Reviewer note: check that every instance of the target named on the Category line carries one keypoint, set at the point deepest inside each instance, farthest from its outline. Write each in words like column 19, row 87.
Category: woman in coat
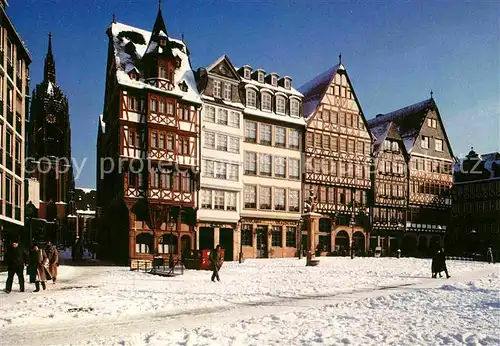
column 53, row 257
column 36, row 268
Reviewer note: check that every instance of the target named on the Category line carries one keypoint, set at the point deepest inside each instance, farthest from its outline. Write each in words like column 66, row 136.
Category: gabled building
column 271, row 198
column 476, row 205
column 430, row 177
column 49, row 158
column 14, row 103
column 338, row 149
column 389, row 198
column 148, row 157
column 221, row 157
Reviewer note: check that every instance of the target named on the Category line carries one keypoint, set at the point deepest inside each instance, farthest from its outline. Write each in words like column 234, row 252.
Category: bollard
column 399, row 253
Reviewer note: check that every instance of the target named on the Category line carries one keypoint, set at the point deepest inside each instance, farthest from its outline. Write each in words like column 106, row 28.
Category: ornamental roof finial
column 340, row 58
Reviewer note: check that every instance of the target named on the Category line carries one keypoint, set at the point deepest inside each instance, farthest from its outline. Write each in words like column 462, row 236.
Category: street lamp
column 301, row 224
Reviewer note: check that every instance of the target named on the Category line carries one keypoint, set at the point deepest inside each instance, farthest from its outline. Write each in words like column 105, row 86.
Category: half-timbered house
column 148, row 145
column 389, row 189
column 273, row 130
column 338, row 150
column 220, row 146
column 430, row 177
column 475, row 222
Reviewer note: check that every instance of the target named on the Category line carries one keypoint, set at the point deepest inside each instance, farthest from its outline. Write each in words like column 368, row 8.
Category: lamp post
column 240, row 257
column 301, row 223
column 353, row 221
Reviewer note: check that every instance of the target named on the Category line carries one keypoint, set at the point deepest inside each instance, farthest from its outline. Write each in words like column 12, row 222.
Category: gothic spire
column 49, row 71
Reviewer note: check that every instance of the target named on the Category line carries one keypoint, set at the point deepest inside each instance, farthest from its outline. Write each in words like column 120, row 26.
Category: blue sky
column 395, row 52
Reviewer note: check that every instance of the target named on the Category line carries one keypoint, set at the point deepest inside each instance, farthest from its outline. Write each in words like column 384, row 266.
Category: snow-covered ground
column 365, row 301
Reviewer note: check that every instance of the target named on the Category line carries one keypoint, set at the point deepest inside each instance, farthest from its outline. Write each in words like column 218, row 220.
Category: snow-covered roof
column 129, row 52
column 315, row 89
column 273, row 116
column 291, row 91
column 103, row 124
column 379, row 133
column 408, row 120
column 50, row 88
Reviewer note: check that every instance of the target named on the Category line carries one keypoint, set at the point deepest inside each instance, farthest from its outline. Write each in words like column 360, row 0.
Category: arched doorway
column 423, row 245
column 409, row 245
column 168, row 244
column 144, row 243
column 342, row 243
column 359, row 241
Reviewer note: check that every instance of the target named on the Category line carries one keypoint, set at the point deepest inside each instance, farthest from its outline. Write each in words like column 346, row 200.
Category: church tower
column 49, row 143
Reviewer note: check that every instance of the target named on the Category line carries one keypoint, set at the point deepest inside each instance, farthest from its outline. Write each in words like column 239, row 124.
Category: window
column 154, row 140
column 170, row 109
column 293, row 170
column 279, row 199
column 206, row 199
column 335, row 144
column 291, row 236
column 209, row 140
column 342, row 118
column 208, row 170
column 250, row 131
column 250, row 163
column 265, row 164
column 185, row 113
column 8, row 189
column 218, row 200
column 250, row 196
column 293, row 200
column 231, row 201
column 260, row 77
column 425, row 142
column 8, row 143
column 251, row 98
column 222, row 119
column 438, row 144
column 293, row 139
column 266, row 102
column 246, row 235
column 227, row 91
column 170, row 142
column 280, row 104
column 294, row 108
column 10, row 51
column 280, row 167
column 274, row 81
column 154, row 106
column 432, row 123
column 221, row 142
column 220, row 170
column 350, row 145
column 162, row 107
column 276, row 239
column 265, row 197
column 233, row 172
column 265, row 134
column 184, row 148
column 287, row 84
column 217, row 88
column 17, row 195
column 343, row 144
column 1, row 84
column 209, row 114
column 155, row 178
column 234, row 119
column 280, row 137
column 326, row 142
column 247, row 74
column 234, row 144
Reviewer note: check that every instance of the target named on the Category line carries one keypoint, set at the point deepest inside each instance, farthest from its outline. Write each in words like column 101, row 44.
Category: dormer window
column 266, row 102
column 132, row 75
column 294, row 108
column 280, row 104
column 163, row 42
column 260, row 77
column 274, row 81
column 251, row 98
column 246, row 73
column 178, row 62
column 287, row 83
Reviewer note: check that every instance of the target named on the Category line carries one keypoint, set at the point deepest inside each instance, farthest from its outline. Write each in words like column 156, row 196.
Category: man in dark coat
column 441, row 258
column 436, row 266
column 15, row 260
column 215, row 262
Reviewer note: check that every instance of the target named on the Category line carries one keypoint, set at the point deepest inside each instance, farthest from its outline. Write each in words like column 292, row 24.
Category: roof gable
column 223, row 67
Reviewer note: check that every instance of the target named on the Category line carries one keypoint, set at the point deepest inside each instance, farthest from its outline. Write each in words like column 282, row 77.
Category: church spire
column 49, row 71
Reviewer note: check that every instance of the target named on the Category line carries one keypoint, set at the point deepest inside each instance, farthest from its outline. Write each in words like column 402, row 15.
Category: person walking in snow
column 53, row 257
column 36, row 268
column 435, row 266
column 441, row 257
column 489, row 255
column 215, row 262
column 15, row 260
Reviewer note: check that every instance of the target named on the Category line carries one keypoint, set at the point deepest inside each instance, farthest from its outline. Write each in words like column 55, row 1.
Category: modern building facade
column 272, row 145
column 338, row 150
column 49, row 158
column 430, row 176
column 14, row 102
column 221, row 141
column 148, row 160
column 389, row 197
column 476, row 205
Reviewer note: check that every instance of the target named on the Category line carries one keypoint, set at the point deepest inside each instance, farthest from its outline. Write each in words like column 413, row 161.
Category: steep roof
column 130, row 45
column 315, row 90
column 408, row 120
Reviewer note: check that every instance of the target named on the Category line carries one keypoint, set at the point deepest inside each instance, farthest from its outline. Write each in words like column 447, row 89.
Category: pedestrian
column 15, row 260
column 53, row 257
column 36, row 268
column 435, row 265
column 489, row 255
column 215, row 262
column 441, row 257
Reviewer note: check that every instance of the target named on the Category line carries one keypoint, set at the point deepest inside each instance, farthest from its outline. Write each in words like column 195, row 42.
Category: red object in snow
column 202, row 262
